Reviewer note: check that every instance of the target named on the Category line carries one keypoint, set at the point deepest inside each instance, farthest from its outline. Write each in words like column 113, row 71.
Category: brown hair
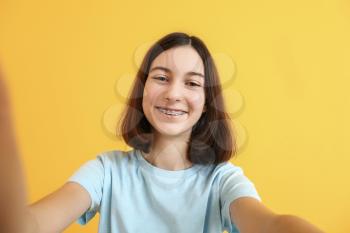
column 212, row 140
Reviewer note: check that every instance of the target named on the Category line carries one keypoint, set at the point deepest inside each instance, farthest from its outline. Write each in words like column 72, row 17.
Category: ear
column 204, row 108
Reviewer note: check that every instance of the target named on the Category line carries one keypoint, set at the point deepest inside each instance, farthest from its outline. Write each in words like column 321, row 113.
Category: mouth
column 170, row 112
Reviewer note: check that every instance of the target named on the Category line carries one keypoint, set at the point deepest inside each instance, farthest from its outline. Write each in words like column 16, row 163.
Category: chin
column 171, row 132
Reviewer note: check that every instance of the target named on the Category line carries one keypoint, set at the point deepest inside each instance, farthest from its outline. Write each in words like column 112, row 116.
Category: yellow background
column 63, row 60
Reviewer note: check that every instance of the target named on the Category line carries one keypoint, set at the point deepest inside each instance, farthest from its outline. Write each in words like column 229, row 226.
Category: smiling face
column 173, row 97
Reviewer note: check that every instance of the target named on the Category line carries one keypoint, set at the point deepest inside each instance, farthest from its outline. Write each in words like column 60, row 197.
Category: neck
column 169, row 154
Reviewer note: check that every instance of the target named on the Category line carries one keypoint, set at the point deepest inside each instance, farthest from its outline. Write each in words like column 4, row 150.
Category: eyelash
column 194, row 84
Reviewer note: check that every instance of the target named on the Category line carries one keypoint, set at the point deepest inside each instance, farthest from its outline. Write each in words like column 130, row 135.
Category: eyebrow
column 167, row 70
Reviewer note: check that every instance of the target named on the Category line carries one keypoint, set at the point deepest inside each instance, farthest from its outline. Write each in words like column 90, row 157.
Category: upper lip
column 171, row 109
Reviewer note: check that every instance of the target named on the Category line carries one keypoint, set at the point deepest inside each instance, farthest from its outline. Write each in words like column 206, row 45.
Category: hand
column 6, row 129
column 7, row 138
column 4, row 98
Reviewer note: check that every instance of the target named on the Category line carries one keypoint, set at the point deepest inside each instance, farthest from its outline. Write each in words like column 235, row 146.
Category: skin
column 12, row 183
column 58, row 210
column 171, row 136
column 174, row 88
column 53, row 213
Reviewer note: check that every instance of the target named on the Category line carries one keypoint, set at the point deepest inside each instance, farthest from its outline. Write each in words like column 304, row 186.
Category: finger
column 4, row 95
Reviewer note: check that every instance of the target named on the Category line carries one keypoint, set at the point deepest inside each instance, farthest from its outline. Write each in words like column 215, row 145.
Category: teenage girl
column 177, row 177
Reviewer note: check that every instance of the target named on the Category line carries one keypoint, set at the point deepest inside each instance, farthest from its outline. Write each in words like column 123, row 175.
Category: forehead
column 180, row 59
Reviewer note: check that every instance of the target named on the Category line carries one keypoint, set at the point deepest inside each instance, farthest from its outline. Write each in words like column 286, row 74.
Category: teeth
column 169, row 112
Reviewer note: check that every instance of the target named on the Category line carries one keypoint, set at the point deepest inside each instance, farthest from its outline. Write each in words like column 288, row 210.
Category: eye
column 193, row 84
column 161, row 78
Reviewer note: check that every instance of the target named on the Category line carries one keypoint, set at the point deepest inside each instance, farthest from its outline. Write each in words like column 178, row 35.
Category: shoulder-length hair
column 211, row 140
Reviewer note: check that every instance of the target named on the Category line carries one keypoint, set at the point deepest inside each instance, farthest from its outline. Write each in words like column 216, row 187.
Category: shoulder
column 227, row 169
column 112, row 156
column 116, row 158
column 224, row 173
column 234, row 183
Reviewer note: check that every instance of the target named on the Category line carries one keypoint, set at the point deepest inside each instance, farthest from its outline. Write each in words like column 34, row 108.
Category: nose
column 173, row 92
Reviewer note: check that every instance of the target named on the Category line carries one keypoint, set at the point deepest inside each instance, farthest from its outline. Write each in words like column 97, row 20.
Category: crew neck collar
column 163, row 172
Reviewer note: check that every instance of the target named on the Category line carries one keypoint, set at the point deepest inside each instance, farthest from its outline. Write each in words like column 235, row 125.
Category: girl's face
column 174, row 98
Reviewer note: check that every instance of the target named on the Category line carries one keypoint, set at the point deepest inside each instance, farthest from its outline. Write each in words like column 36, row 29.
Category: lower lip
column 170, row 116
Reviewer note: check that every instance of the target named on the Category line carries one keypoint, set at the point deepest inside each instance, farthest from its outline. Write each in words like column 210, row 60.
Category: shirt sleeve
column 234, row 184
column 90, row 176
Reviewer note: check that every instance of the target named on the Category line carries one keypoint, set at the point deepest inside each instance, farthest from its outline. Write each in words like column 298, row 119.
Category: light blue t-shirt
column 134, row 196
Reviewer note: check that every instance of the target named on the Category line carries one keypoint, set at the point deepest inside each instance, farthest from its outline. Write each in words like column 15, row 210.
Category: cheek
column 148, row 95
column 197, row 100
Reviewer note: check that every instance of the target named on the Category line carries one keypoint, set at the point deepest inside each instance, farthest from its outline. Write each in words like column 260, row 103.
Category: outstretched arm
column 251, row 216
column 53, row 213
column 13, row 195
column 292, row 224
